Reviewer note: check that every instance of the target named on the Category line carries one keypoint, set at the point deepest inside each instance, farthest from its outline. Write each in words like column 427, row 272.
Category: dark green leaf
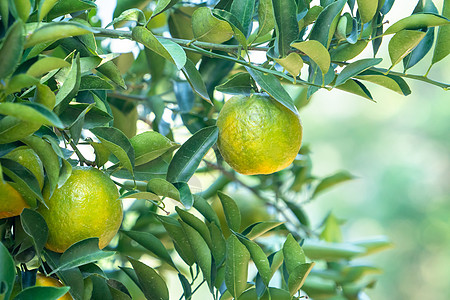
column 218, row 243
column 94, row 116
column 326, row 23
column 196, row 224
column 64, row 7
column 231, row 211
column 163, row 188
column 151, row 243
column 201, row 251
column 417, row 21
column 243, row 11
column 81, row 253
column 297, row 277
column 42, row 293
column 7, row 272
column 195, row 80
column 163, row 5
column 186, row 286
column 34, row 225
column 271, row 293
column 236, row 266
column 356, row 68
column 272, row 86
column 11, row 49
column 258, row 229
column 185, row 194
column 110, row 70
column 189, row 156
column 91, row 82
column 355, row 87
column 206, row 210
column 238, row 84
column 70, row 86
column 286, row 25
column 151, row 283
column 132, row 14
column 293, row 254
column 55, row 31
column 31, row 111
column 117, row 143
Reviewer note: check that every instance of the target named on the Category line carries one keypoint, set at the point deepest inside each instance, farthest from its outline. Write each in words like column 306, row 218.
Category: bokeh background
column 399, row 149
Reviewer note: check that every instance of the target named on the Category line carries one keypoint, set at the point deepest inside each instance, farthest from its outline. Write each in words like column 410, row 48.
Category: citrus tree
column 123, row 174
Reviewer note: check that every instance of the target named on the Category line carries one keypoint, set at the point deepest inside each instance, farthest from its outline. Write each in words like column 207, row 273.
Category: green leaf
column 238, row 84
column 392, row 82
column 164, row 47
column 218, row 247
column 299, row 213
column 65, row 172
column 231, row 211
column 201, row 251
column 259, row 258
column 24, row 180
column 189, row 156
column 64, row 7
column 7, row 272
column 243, row 11
column 151, row 243
column 297, row 277
column 367, row 9
column 44, row 7
column 42, row 293
column 292, row 63
column 22, row 8
column 356, row 68
column 417, row 21
column 56, row 31
column 11, row 49
column 326, row 23
column 195, row 80
column 207, row 28
column 196, row 224
column 132, row 14
column 150, row 145
column 266, row 18
column 355, row 87
column 34, row 225
column 46, row 65
column 442, row 48
column 151, row 283
column 286, row 25
column 402, row 43
column 293, row 254
column 92, row 82
column 271, row 293
column 141, row 195
column 374, row 245
column 258, row 229
column 235, row 25
column 163, row 188
column 70, row 87
column 185, row 194
column 332, row 180
column 48, row 157
column 93, row 117
column 163, row 5
column 236, row 266
column 180, row 240
column 331, row 251
column 272, row 86
column 315, row 51
column 31, row 111
column 81, row 253
column 19, row 82
column 332, row 231
column 110, row 70
column 206, row 210
column 117, row 143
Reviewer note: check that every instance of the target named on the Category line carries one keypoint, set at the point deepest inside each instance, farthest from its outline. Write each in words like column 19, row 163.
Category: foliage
column 62, row 90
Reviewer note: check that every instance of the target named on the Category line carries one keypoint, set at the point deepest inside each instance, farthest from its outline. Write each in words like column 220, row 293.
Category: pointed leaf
column 46, row 65
column 151, row 243
column 62, row 8
column 356, row 68
column 196, row 224
column 81, row 253
column 132, row 14
column 206, row 210
column 317, row 52
column 42, row 293
column 7, row 272
column 273, row 87
column 355, row 87
column 258, row 229
column 292, row 63
column 236, row 266
column 218, row 243
column 31, row 111
column 195, row 80
column 34, row 225
column 44, row 7
column 238, row 84
column 298, row 276
column 331, row 251
column 70, row 87
column 141, row 195
column 231, row 211
column 163, row 5
column 151, row 283
column 332, row 180
column 56, row 31
column 293, row 254
column 394, row 83
column 326, row 23
column 117, row 143
column 243, row 10
column 442, row 48
column 150, row 145
column 164, row 47
column 285, row 24
column 186, row 196
column 11, row 49
column 417, row 21
column 367, row 9
column 163, row 188
column 189, row 156
column 208, row 28
column 266, row 18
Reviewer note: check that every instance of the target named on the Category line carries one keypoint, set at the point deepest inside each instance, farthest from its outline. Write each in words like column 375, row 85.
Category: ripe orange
column 87, row 205
column 258, row 135
column 11, row 201
column 42, row 280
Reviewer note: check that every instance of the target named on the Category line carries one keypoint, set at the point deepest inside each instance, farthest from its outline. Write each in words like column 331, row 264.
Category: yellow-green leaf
column 367, row 9
column 208, row 28
column 292, row 63
column 317, row 52
column 402, row 43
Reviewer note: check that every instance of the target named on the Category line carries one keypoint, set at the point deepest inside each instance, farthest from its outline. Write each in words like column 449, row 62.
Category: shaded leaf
column 442, row 48
column 185, row 194
column 236, row 266
column 7, row 272
column 317, row 52
column 207, row 28
column 326, row 23
column 11, row 49
column 356, row 68
column 195, row 80
column 70, row 86
column 46, row 65
column 286, row 25
column 238, row 84
column 231, row 211
column 266, row 18
column 163, row 188
column 417, row 21
column 355, row 87
column 332, row 180
column 151, row 283
column 56, row 31
column 64, row 7
column 42, row 293
column 34, row 225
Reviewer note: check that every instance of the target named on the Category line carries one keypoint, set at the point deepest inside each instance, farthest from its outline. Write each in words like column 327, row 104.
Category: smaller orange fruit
column 42, row 280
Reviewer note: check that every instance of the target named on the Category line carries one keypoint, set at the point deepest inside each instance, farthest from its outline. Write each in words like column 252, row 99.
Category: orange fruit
column 86, row 206
column 258, row 135
column 11, row 201
column 42, row 280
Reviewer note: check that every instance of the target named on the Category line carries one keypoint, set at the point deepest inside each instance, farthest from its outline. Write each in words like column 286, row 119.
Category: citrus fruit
column 86, row 206
column 258, row 135
column 11, row 201
column 42, row 280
